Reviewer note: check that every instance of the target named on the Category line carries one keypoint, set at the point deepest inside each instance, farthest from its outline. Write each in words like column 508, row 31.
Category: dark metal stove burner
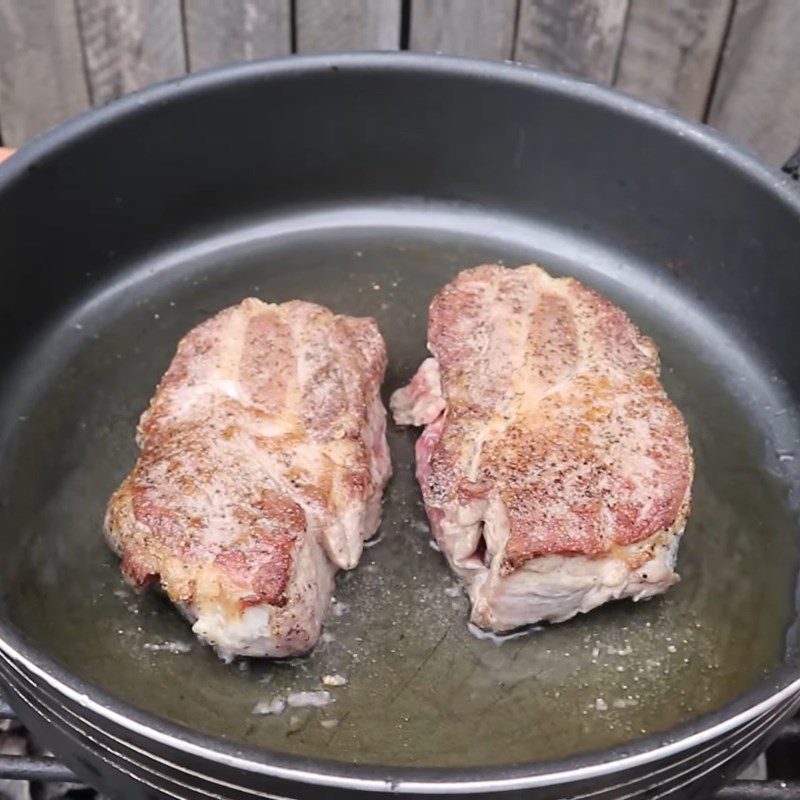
column 782, row 757
column 27, row 768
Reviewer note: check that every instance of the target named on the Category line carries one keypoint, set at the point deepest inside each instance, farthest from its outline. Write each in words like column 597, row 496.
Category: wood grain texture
column 42, row 81
column 224, row 31
column 324, row 26
column 670, row 51
column 757, row 97
column 578, row 37
column 479, row 28
column 129, row 44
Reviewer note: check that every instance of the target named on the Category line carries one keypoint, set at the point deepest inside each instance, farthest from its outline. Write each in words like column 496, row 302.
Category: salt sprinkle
column 339, row 608
column 269, row 707
column 169, row 647
column 303, row 699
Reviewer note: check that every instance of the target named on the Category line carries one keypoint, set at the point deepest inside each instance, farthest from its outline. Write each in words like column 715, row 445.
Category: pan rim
column 766, row 694
column 400, row 780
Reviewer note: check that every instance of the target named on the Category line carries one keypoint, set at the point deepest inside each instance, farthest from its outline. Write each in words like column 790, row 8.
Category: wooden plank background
column 326, row 26
column 478, row 28
column 671, row 50
column 42, row 78
column 128, row 44
column 757, row 97
column 238, row 30
column 581, row 37
column 732, row 63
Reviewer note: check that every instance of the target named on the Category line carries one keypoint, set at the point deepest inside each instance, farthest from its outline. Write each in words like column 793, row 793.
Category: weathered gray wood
column 330, row 25
column 479, row 28
column 41, row 70
column 224, row 31
column 129, row 44
column 757, row 97
column 670, row 51
column 579, row 37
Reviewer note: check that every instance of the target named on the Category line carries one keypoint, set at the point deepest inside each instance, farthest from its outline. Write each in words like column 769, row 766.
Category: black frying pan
column 365, row 183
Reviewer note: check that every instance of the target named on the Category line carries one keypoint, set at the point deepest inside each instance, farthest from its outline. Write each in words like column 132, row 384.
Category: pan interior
column 421, row 689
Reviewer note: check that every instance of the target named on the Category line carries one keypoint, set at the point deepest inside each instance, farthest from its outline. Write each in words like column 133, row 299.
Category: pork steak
column 263, row 461
column 555, row 471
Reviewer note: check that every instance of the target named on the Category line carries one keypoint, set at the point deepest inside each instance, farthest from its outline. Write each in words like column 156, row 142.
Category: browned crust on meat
column 242, row 448
column 554, row 403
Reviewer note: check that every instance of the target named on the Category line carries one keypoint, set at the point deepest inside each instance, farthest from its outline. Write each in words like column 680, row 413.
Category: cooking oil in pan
column 418, row 688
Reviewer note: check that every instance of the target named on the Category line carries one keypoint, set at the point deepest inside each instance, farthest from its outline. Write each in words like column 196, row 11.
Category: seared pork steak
column 555, row 471
column 263, row 461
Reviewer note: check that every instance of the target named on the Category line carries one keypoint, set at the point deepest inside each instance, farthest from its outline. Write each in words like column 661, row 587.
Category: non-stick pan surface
column 365, row 188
